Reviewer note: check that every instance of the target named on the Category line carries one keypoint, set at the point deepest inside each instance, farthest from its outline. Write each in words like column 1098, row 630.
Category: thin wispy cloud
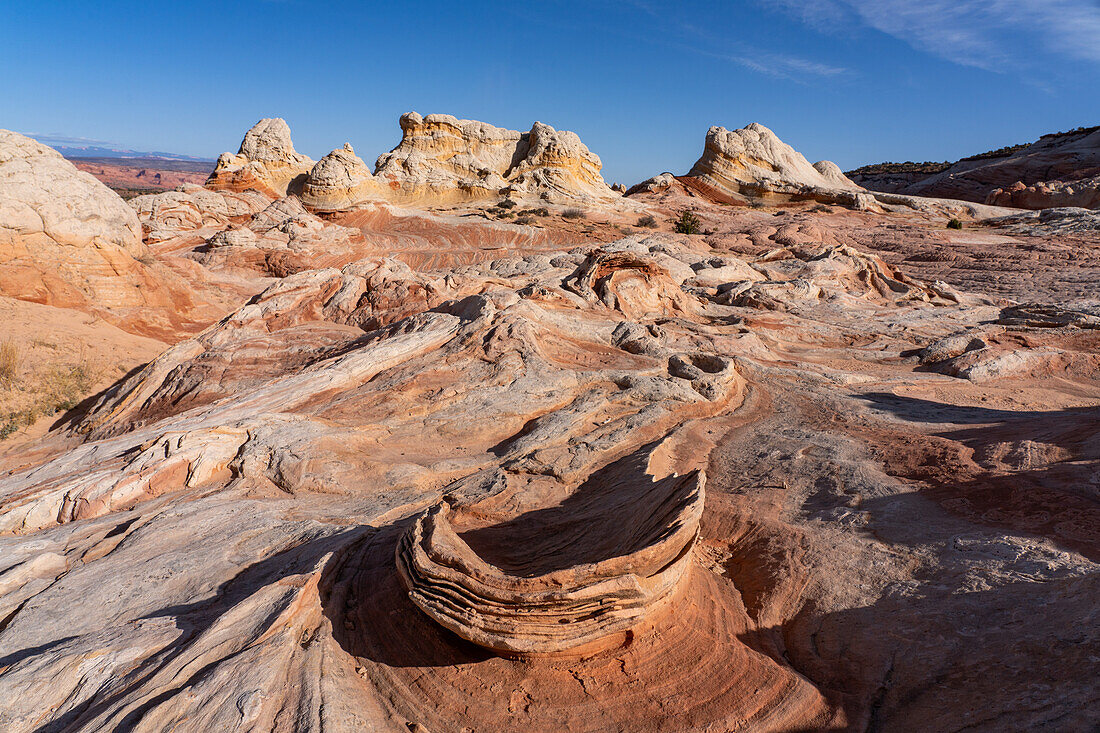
column 696, row 39
column 780, row 66
column 57, row 138
column 987, row 34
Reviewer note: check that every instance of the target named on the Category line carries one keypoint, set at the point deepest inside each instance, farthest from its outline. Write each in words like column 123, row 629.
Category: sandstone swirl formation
column 443, row 160
column 265, row 162
column 630, row 550
column 339, row 181
column 67, row 240
column 365, row 490
column 754, row 161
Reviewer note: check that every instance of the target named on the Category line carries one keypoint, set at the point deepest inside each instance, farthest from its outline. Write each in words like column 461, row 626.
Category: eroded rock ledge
column 626, row 568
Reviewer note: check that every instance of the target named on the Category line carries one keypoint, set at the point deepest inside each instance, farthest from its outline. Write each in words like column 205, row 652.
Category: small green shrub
column 954, row 224
column 525, row 221
column 574, row 214
column 688, row 223
column 647, row 222
column 9, row 425
column 507, row 204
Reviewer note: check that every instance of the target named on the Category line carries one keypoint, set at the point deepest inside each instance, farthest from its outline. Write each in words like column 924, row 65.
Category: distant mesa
column 266, row 162
column 1059, row 169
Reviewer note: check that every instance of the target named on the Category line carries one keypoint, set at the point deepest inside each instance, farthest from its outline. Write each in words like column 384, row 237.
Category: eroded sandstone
column 896, row 421
column 443, row 160
column 266, row 162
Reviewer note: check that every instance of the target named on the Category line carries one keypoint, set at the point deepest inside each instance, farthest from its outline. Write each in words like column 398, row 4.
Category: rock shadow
column 1010, row 658
column 618, row 510
column 1036, row 472
column 371, row 615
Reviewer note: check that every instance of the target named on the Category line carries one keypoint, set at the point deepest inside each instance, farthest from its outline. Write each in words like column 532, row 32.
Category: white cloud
column 783, row 66
column 693, row 38
column 988, row 34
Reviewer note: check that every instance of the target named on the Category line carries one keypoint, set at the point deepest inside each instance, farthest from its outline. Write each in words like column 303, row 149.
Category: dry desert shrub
column 48, row 392
column 574, row 214
column 647, row 222
column 9, row 362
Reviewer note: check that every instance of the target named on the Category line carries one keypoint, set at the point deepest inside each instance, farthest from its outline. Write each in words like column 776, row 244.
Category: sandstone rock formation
column 266, row 162
column 166, row 215
column 443, row 160
column 629, row 552
column 832, row 174
column 1060, row 162
column 752, row 160
column 339, row 181
column 281, row 240
column 415, row 430
column 1084, row 193
column 68, row 240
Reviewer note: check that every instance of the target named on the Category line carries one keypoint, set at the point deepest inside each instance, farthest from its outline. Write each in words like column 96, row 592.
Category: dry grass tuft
column 54, row 390
column 10, row 356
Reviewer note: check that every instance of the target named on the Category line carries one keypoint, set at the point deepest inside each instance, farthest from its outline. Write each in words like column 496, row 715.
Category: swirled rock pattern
column 266, row 162
column 166, row 215
column 897, row 423
column 443, row 160
column 754, row 160
column 628, row 560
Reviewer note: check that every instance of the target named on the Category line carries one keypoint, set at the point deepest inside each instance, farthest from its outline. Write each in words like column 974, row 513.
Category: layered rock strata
column 265, row 162
column 443, row 160
column 1062, row 162
column 754, row 161
column 647, row 544
column 67, row 240
column 340, row 181
column 1083, row 193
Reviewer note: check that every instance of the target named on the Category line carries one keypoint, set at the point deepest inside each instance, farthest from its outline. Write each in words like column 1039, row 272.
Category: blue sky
column 854, row 81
